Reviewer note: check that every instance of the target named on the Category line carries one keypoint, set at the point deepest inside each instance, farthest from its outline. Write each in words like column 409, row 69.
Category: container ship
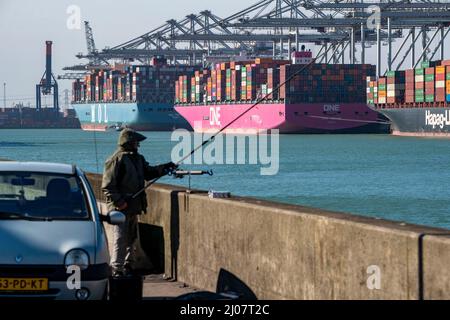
column 138, row 97
column 416, row 101
column 323, row 98
column 20, row 117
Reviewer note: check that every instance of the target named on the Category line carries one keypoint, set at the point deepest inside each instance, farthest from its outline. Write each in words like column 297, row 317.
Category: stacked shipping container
column 146, row 83
column 409, row 86
column 419, row 84
column 440, row 84
column 447, row 82
column 234, row 81
column 372, row 90
column 395, row 86
column 382, row 90
column 249, row 80
column 320, row 83
column 429, row 83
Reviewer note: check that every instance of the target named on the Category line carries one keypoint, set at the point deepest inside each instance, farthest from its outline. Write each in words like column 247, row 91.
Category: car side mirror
column 114, row 218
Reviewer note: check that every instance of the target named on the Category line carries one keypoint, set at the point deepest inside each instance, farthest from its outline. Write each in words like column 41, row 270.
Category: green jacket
column 125, row 174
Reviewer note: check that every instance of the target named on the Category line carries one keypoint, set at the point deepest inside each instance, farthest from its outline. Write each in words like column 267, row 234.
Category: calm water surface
column 397, row 178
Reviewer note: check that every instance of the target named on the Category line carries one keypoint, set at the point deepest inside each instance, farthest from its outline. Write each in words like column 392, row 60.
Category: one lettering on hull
column 439, row 120
column 331, row 108
column 214, row 116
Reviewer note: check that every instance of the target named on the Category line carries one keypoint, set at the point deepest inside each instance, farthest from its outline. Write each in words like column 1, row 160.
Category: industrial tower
column 48, row 81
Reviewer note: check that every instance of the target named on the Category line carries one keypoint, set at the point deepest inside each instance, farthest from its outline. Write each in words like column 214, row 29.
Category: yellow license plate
column 23, row 284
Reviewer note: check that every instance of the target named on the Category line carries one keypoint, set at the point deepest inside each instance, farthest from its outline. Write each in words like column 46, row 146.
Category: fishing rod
column 258, row 101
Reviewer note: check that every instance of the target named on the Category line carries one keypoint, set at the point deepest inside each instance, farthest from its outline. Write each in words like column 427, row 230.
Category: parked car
column 51, row 233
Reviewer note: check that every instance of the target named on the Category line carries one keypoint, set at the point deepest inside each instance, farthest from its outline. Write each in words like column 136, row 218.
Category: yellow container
column 440, row 70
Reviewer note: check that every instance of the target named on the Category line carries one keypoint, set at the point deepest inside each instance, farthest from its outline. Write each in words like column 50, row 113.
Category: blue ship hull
column 138, row 116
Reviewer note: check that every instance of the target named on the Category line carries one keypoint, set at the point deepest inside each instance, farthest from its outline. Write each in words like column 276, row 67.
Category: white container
column 395, row 87
column 440, row 84
column 393, row 93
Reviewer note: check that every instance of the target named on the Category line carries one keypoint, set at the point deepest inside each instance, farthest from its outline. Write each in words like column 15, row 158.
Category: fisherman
column 125, row 174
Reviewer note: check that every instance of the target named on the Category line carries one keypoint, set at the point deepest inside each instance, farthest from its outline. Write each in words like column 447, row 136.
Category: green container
column 370, row 101
column 425, row 64
column 391, row 74
column 447, row 77
column 429, row 77
column 420, row 99
column 429, row 98
column 420, row 92
column 375, row 94
column 419, row 72
column 382, row 87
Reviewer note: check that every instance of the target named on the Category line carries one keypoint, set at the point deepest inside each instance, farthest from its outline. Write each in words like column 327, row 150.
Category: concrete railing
column 275, row 251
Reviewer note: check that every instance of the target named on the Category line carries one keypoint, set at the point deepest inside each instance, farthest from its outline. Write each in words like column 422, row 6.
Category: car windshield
column 41, row 195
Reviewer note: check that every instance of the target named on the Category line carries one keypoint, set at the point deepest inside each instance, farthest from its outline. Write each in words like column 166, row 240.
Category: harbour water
column 397, row 178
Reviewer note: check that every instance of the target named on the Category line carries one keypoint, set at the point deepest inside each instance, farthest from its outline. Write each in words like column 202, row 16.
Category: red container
column 420, row 85
column 409, row 86
column 177, row 91
column 409, row 99
column 440, row 95
column 429, row 70
column 440, row 77
column 429, row 84
column 394, row 100
column 409, row 73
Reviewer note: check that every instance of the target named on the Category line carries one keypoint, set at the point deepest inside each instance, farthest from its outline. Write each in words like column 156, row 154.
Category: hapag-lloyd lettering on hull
column 437, row 119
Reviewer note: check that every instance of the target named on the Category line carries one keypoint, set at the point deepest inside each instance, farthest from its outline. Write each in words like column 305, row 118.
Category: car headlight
column 77, row 257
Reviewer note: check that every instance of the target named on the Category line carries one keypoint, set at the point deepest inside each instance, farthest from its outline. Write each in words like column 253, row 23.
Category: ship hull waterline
column 419, row 122
column 137, row 116
column 305, row 118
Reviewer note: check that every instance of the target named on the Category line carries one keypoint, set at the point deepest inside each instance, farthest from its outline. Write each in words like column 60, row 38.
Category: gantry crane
column 276, row 27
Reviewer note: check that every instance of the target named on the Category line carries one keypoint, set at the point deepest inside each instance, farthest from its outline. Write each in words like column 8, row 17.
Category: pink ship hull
column 288, row 118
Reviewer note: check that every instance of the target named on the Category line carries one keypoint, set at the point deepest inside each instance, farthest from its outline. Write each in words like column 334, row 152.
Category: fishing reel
column 180, row 174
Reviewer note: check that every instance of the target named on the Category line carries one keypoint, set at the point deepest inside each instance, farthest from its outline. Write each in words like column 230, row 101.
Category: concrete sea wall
column 269, row 250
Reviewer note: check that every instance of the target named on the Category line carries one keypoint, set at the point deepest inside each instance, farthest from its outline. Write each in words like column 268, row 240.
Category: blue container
column 448, row 98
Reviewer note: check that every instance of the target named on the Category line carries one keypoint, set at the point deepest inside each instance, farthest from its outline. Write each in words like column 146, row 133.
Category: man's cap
column 129, row 135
